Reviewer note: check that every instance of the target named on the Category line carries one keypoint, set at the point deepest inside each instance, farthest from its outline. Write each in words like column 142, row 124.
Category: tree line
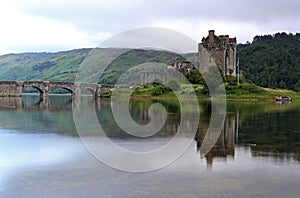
column 272, row 61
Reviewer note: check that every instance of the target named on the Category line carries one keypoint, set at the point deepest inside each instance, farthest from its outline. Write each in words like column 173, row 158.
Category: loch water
column 257, row 152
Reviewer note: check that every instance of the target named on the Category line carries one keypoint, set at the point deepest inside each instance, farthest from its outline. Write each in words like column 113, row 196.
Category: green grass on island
column 243, row 91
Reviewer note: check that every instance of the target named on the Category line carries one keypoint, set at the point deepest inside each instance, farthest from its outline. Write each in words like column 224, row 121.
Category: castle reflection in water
column 276, row 141
column 225, row 144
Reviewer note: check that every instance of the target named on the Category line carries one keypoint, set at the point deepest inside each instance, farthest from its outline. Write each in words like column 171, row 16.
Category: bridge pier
column 19, row 88
column 76, row 91
column 44, row 94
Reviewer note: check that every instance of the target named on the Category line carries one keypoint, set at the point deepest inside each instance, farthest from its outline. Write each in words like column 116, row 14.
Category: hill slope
column 42, row 66
column 272, row 61
column 63, row 66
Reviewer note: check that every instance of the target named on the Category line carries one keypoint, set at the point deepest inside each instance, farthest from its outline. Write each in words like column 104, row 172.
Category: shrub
column 232, row 80
column 160, row 90
column 195, row 77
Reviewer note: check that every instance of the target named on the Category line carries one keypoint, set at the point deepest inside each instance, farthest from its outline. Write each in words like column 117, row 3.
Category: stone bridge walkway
column 15, row 88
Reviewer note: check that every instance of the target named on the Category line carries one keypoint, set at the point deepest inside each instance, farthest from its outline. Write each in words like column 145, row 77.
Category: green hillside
column 63, row 66
column 272, row 61
column 60, row 66
column 135, row 57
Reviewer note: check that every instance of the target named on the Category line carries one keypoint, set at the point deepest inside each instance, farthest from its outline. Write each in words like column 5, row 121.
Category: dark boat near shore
column 283, row 99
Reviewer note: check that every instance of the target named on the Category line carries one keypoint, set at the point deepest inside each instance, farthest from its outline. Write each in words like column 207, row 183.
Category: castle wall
column 221, row 49
column 163, row 74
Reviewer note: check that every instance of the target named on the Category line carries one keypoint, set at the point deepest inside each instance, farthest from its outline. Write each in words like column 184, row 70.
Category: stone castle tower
column 221, row 49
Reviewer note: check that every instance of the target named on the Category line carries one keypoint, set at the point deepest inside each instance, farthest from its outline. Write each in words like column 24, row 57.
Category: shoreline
column 209, row 98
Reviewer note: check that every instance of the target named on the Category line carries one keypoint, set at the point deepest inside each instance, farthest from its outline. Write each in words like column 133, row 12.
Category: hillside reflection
column 269, row 130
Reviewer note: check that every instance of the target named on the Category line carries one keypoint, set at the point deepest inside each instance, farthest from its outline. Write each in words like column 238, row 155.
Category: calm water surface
column 41, row 155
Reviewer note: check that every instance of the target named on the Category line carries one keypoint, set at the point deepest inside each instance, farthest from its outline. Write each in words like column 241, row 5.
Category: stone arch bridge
column 15, row 88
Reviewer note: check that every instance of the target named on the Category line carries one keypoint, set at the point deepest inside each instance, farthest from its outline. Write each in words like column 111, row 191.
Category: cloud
column 68, row 23
column 119, row 13
column 23, row 32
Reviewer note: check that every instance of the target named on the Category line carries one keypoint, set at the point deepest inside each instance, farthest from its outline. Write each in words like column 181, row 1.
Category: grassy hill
column 63, row 66
column 60, row 66
column 135, row 57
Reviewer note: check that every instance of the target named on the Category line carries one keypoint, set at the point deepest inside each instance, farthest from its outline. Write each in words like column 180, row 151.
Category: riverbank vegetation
column 243, row 91
column 235, row 88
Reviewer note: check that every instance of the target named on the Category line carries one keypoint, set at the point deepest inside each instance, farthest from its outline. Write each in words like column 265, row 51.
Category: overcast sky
column 55, row 25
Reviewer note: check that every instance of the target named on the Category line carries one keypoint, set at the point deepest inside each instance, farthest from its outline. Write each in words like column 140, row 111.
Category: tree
column 297, row 86
column 271, row 60
column 160, row 90
column 282, row 84
column 195, row 77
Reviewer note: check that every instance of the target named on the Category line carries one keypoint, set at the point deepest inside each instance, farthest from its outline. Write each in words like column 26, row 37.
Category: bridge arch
column 68, row 89
column 41, row 91
column 87, row 91
column 33, row 101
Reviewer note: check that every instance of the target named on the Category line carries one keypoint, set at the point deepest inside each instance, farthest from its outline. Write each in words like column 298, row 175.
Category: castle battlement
column 222, row 50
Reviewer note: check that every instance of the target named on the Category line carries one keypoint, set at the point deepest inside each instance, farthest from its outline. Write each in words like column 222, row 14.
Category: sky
column 56, row 25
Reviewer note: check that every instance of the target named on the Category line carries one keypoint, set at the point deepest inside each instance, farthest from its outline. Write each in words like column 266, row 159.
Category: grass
column 233, row 92
column 250, row 91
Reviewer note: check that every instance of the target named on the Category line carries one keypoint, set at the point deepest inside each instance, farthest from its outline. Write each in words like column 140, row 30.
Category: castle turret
column 211, row 35
column 222, row 49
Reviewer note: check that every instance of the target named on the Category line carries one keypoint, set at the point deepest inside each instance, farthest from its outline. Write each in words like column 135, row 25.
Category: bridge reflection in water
column 41, row 114
column 34, row 102
column 139, row 110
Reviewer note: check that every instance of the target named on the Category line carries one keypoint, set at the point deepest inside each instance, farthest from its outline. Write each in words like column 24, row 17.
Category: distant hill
column 272, row 61
column 42, row 66
column 63, row 66
column 135, row 57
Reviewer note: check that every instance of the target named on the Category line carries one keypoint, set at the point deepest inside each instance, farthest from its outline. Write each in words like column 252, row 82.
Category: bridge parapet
column 10, row 88
column 15, row 88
